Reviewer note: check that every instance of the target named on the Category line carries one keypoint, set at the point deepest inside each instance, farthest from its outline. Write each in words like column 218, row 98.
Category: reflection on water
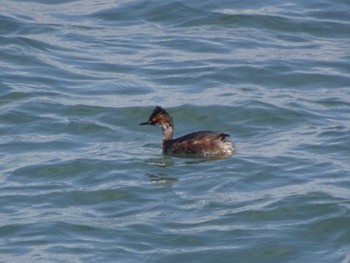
column 163, row 161
column 170, row 160
column 162, row 179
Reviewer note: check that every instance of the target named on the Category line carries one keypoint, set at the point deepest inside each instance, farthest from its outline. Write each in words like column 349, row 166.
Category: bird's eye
column 154, row 120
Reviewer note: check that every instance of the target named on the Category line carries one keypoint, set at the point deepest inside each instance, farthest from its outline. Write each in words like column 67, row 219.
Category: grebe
column 201, row 143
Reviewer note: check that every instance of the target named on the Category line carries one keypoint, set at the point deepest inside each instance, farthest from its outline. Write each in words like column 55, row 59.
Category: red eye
column 154, row 120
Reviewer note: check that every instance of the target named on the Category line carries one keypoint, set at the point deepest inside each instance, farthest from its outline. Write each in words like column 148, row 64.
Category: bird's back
column 201, row 143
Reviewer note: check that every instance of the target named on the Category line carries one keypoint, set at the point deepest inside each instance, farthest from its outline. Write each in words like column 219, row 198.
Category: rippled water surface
column 81, row 181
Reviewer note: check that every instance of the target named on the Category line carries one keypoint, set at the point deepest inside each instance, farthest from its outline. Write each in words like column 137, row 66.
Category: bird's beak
column 145, row 123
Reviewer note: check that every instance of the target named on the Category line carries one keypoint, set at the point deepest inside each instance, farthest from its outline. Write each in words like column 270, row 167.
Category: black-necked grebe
column 201, row 143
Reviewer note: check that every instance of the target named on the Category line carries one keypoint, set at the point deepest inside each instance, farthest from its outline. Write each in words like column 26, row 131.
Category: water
column 81, row 181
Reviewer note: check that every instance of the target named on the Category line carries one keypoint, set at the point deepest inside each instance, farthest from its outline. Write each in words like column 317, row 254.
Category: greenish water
column 81, row 181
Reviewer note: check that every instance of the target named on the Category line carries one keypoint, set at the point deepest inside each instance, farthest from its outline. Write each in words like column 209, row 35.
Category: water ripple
column 82, row 181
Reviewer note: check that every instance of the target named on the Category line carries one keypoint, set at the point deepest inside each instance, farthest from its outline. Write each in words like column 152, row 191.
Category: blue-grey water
column 81, row 181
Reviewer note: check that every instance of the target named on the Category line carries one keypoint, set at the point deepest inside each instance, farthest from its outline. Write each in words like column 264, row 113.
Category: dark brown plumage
column 201, row 143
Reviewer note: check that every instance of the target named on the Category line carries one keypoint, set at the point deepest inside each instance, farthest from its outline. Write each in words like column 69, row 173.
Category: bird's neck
column 168, row 131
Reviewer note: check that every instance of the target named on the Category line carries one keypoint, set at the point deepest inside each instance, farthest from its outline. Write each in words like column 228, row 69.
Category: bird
column 199, row 144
